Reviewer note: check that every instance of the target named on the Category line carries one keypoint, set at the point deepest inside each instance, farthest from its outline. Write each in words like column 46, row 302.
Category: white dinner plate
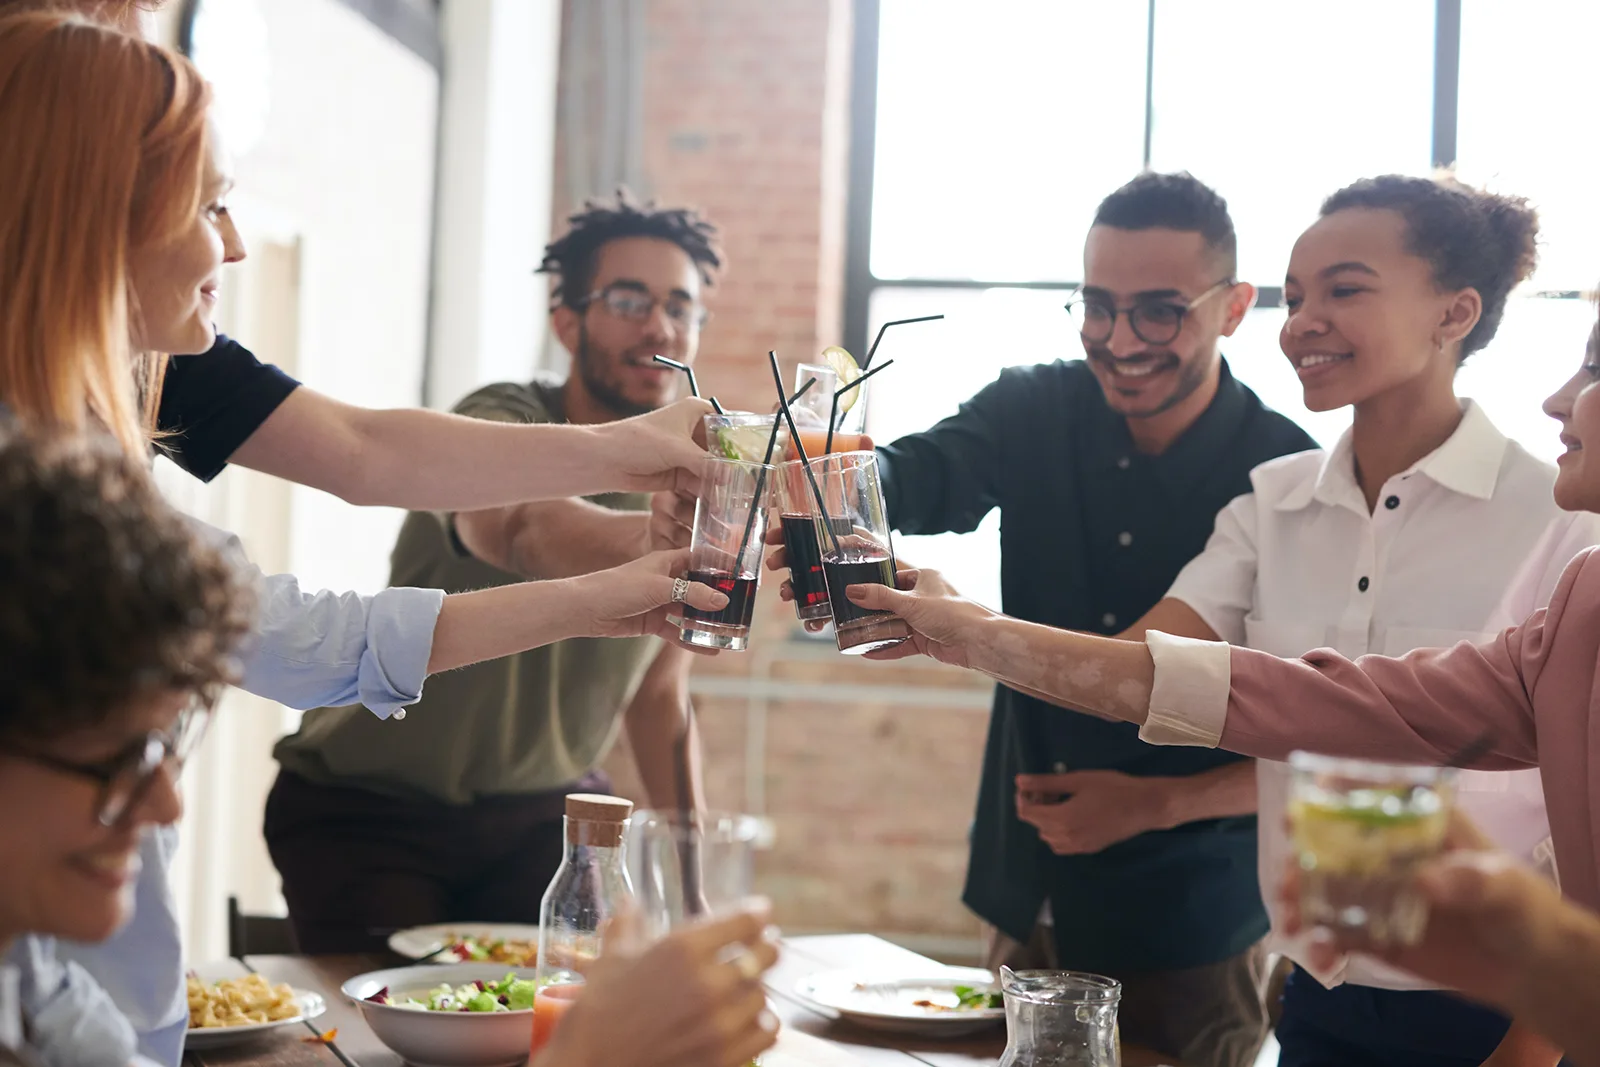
column 889, row 1001
column 420, row 941
column 311, row 1005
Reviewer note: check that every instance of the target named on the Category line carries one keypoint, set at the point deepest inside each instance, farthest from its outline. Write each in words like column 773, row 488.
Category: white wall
column 498, row 147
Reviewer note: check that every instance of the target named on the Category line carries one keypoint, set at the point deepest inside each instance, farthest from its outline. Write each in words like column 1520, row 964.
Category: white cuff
column 1189, row 699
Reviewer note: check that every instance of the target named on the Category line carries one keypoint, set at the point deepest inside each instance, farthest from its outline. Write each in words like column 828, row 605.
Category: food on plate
column 968, row 998
column 509, row 994
column 239, row 1002
column 468, row 949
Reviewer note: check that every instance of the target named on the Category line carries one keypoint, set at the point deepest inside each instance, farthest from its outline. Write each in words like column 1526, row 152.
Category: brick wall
column 868, row 770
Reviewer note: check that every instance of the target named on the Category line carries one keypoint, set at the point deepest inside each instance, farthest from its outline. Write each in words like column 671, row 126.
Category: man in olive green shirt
column 454, row 813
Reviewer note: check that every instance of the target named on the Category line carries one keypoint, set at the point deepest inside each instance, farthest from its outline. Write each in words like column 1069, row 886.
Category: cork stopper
column 596, row 819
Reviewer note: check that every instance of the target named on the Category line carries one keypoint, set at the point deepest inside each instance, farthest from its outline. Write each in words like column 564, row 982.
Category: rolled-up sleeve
column 326, row 649
column 1189, row 695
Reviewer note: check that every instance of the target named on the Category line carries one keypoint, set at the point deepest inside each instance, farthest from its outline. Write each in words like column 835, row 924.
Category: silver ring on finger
column 680, row 590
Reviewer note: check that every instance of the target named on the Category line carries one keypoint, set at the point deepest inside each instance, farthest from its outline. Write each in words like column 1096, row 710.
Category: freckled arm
column 1102, row 676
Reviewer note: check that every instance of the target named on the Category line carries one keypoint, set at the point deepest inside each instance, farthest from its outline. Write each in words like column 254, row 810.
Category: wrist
column 1561, row 946
column 1169, row 800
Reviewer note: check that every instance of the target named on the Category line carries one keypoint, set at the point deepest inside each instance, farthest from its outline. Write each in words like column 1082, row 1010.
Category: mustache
column 1102, row 354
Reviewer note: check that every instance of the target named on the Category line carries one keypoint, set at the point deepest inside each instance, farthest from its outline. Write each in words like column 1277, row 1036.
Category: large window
column 986, row 134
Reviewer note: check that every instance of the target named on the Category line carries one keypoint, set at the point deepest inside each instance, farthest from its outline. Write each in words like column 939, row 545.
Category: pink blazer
column 1535, row 690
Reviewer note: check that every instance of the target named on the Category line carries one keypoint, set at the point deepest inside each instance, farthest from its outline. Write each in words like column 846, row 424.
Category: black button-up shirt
column 1092, row 535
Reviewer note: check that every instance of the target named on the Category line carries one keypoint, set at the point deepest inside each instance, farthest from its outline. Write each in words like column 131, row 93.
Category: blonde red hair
column 106, row 151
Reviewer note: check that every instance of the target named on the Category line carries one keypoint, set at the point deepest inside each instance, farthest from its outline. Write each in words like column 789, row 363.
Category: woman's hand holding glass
column 636, row 599
column 692, row 999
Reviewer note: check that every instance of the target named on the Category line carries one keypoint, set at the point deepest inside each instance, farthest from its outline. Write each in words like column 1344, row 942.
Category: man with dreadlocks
column 458, row 816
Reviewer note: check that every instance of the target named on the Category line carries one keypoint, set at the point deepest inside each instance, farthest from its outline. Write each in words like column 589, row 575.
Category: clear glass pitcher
column 1060, row 1019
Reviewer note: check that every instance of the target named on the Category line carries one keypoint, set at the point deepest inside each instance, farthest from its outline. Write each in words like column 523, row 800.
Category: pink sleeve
column 1421, row 708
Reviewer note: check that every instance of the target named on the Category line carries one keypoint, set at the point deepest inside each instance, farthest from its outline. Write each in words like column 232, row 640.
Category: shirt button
column 1124, row 538
column 1392, row 503
column 1363, row 584
column 1124, row 463
column 1059, row 767
column 399, row 713
column 1109, row 619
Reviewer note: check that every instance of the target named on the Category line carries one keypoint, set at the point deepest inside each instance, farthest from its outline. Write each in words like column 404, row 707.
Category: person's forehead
column 657, row 263
column 1358, row 235
column 1129, row 262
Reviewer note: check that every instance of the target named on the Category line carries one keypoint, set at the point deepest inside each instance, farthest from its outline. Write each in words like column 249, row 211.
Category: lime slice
column 844, row 365
column 747, row 443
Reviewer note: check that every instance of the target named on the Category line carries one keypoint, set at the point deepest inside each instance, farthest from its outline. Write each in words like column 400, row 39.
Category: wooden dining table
column 811, row 1036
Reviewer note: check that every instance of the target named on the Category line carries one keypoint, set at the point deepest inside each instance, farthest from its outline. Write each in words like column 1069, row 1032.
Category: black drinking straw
column 761, row 479
column 800, row 450
column 694, row 386
column 833, row 412
column 881, row 330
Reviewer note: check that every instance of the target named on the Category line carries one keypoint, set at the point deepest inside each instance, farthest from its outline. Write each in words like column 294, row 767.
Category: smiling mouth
column 1572, row 443
column 1135, row 366
column 1317, row 360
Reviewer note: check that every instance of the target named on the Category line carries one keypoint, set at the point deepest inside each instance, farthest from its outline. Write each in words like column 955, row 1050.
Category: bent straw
column 800, row 450
column 694, row 386
column 833, row 412
column 761, row 480
column 884, row 328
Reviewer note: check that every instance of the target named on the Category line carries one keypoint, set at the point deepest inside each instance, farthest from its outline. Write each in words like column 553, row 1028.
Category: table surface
column 811, row 1036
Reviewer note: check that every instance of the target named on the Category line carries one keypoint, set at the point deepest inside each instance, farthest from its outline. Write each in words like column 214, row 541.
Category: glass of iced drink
column 852, row 528
column 725, row 549
column 1360, row 830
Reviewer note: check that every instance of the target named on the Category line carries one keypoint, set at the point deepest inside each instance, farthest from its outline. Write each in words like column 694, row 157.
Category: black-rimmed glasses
column 1155, row 322
column 635, row 305
column 126, row 777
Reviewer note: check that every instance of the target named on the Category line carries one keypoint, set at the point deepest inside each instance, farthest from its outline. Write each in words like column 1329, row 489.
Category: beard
column 1191, row 375
column 591, row 370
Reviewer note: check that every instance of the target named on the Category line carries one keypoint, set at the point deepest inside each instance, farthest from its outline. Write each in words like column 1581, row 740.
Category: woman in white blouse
column 1406, row 535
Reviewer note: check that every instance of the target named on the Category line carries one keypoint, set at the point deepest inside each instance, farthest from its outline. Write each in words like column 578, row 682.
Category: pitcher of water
column 1060, row 1019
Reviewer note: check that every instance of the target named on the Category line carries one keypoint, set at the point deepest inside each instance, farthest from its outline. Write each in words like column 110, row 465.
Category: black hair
column 1472, row 239
column 1177, row 201
column 572, row 256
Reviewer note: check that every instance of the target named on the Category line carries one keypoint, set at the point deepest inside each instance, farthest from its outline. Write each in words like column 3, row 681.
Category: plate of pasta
column 226, row 1011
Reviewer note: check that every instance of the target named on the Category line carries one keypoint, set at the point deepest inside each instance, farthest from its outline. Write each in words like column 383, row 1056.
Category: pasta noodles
column 239, row 1002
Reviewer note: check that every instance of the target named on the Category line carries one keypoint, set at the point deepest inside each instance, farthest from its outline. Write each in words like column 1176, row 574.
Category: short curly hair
column 1176, row 201
column 572, row 256
column 107, row 594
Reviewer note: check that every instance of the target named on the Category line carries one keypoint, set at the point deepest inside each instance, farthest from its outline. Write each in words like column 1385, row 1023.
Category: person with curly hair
column 120, row 624
column 460, row 816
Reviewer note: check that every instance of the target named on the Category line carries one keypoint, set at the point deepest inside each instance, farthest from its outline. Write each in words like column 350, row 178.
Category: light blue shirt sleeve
column 326, row 649
column 71, row 1020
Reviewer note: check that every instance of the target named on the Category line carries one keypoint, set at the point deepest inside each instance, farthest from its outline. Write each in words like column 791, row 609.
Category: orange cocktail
column 549, row 1005
column 814, row 438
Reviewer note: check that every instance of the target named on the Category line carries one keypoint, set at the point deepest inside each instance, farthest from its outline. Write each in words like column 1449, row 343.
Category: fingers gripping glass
column 125, row 777
column 636, row 305
column 1155, row 322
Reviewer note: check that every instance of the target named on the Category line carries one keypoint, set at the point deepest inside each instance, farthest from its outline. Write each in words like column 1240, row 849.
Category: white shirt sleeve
column 1189, row 697
column 1220, row 583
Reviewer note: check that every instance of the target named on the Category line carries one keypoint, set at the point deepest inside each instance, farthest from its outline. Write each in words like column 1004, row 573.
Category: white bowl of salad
column 459, row 1015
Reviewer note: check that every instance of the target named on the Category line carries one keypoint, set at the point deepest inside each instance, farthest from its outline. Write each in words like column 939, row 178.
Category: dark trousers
column 357, row 865
column 1359, row 1026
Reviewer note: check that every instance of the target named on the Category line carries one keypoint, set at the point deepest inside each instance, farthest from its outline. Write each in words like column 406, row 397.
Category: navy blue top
column 1092, row 535
column 212, row 403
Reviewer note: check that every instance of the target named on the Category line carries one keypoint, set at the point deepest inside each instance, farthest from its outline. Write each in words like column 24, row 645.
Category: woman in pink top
column 1527, row 693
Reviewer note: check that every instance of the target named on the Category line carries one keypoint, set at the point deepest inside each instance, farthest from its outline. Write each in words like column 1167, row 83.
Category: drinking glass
column 1360, row 830
column 852, row 529
column 1060, row 1019
column 811, row 413
column 730, row 524
column 743, row 435
column 797, row 511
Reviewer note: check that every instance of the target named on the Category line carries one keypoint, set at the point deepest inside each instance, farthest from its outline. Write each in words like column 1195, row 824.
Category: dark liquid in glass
column 855, row 568
column 805, row 561
column 741, row 594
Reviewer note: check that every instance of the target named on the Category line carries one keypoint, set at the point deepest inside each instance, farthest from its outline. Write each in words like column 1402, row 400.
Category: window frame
column 861, row 284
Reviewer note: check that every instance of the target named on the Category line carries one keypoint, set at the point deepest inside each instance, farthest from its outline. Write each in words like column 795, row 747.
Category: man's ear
column 567, row 324
column 1240, row 299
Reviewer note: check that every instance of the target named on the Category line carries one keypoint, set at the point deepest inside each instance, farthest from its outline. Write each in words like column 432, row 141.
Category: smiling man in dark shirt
column 1090, row 849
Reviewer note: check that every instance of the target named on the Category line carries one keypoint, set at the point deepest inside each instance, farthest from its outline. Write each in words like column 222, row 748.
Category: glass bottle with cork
column 587, row 890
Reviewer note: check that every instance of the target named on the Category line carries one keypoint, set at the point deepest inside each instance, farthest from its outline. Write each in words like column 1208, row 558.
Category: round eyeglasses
column 1155, row 322
column 636, row 305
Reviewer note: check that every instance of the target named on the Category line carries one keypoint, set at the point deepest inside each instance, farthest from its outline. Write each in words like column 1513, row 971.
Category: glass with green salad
column 1360, row 830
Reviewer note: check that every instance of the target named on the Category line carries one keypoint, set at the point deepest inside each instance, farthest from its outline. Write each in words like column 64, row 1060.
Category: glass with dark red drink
column 797, row 509
column 854, row 541
column 730, row 525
